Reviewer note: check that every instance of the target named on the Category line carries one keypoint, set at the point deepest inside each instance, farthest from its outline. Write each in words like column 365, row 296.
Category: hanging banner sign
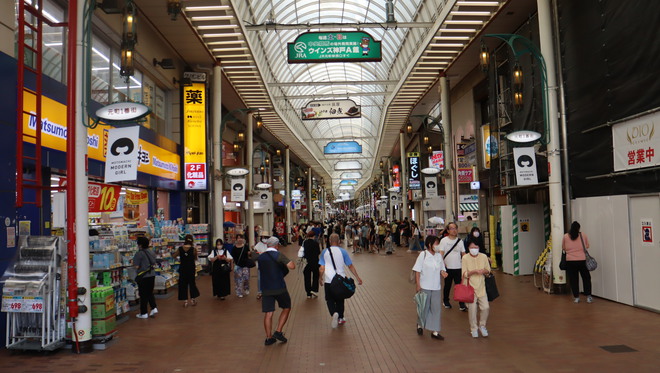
column 490, row 145
column 100, row 197
column 396, row 181
column 342, row 147
column 331, row 109
column 635, row 143
column 431, row 184
column 348, row 46
column 296, row 204
column 137, row 198
column 122, row 159
column 437, row 159
column 414, row 180
column 238, row 189
column 194, row 136
column 525, row 164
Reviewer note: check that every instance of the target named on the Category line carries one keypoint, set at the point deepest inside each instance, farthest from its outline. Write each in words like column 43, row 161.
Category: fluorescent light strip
column 470, row 13
column 444, row 51
column 205, row 8
column 230, row 61
column 463, row 22
column 478, row 3
column 226, row 42
column 53, row 44
column 457, row 30
column 438, row 58
column 229, row 49
column 447, row 45
column 452, row 37
column 100, row 54
column 216, row 27
column 239, row 67
column 223, row 35
column 211, row 18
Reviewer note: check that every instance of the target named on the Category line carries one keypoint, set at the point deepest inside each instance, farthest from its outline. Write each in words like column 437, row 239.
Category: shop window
column 53, row 58
column 100, row 72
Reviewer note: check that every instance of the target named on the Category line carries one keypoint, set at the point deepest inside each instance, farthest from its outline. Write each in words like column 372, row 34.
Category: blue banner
column 342, row 147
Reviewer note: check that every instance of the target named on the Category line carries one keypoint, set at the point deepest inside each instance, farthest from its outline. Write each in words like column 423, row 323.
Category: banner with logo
column 437, row 159
column 238, row 189
column 137, row 198
column 431, row 187
column 635, row 142
column 525, row 164
column 122, row 159
column 194, row 136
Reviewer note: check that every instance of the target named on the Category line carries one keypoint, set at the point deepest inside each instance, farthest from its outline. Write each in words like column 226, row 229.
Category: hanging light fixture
column 409, row 128
column 426, row 140
column 237, row 147
column 517, row 75
column 127, row 69
column 260, row 123
column 429, row 149
column 380, row 164
column 267, row 162
column 518, row 100
column 173, row 8
column 241, row 136
column 278, row 152
column 128, row 40
column 484, row 57
column 262, row 169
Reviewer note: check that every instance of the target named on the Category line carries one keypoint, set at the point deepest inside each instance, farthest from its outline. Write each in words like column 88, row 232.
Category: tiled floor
column 530, row 331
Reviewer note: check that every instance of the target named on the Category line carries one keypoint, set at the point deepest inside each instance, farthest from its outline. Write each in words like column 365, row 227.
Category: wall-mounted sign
column 465, row 175
column 437, row 159
column 414, row 179
column 122, row 159
column 342, row 147
column 647, row 231
column 194, row 136
column 431, row 187
column 349, row 46
column 238, row 189
column 195, row 76
column 123, row 111
column 330, row 109
column 525, row 164
column 635, row 142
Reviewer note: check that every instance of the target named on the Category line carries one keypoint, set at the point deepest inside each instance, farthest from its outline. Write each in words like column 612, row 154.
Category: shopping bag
column 491, row 287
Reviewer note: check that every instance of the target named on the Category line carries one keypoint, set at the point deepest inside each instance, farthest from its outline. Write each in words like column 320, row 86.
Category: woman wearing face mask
column 219, row 276
column 475, row 266
column 241, row 254
column 475, row 235
column 429, row 269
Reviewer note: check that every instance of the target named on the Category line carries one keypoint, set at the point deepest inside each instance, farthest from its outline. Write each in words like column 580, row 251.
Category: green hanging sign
column 350, row 46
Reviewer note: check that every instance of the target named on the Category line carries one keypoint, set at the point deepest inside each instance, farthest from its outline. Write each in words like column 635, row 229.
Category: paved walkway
column 530, row 331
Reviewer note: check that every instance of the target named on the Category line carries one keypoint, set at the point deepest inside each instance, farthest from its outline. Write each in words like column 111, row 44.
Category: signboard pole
column 216, row 185
column 404, row 172
column 449, row 151
column 287, row 191
column 250, row 179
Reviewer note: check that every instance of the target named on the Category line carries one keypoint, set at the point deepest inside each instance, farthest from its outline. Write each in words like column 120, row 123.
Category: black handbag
column 562, row 262
column 491, row 288
column 340, row 287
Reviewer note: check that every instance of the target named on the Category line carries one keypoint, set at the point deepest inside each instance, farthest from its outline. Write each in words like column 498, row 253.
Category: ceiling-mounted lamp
column 173, row 8
column 129, row 20
column 484, row 57
column 165, row 63
column 127, row 69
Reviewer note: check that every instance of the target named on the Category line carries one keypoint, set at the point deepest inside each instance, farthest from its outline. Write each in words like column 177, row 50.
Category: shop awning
column 469, row 207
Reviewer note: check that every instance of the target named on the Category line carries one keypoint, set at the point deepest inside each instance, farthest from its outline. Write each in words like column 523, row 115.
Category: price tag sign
column 22, row 304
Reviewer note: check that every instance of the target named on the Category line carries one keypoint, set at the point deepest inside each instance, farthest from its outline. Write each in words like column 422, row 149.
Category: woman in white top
column 429, row 268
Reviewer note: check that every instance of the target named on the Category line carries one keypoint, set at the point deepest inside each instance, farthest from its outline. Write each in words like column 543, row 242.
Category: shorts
column 268, row 301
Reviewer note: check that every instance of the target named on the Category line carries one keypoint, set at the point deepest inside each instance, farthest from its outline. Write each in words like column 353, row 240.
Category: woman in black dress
column 221, row 261
column 187, row 256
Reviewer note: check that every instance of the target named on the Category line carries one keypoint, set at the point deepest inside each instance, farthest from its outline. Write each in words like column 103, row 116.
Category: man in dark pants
column 452, row 250
column 273, row 267
column 327, row 272
column 145, row 260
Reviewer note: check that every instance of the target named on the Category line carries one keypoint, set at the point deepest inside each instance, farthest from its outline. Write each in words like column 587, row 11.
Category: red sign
column 196, row 171
column 465, row 175
column 101, row 197
column 279, row 227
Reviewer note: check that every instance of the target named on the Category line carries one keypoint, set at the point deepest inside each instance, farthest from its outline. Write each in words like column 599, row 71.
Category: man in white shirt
column 452, row 250
column 327, row 272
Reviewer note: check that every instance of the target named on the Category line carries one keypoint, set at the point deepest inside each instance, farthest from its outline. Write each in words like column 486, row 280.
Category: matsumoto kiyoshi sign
column 349, row 46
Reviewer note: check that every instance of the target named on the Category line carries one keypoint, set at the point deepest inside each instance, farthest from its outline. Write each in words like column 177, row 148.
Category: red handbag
column 464, row 293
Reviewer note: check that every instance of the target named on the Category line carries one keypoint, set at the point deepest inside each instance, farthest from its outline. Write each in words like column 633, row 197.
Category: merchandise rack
column 32, row 296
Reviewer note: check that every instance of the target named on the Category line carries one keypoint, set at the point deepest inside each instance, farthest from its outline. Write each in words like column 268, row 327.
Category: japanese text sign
column 348, row 46
column 635, row 143
column 194, row 136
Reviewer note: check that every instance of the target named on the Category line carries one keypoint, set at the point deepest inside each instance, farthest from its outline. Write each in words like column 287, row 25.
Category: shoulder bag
column 562, row 262
column 340, row 287
column 452, row 248
column 224, row 266
column 590, row 261
column 249, row 263
column 464, row 293
column 413, row 277
column 491, row 287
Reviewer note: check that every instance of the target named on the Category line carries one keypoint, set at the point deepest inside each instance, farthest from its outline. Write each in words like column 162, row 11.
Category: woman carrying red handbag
column 475, row 266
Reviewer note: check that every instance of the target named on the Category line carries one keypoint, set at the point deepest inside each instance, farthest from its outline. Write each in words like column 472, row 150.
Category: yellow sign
column 194, row 136
column 154, row 160
column 136, row 198
column 413, row 154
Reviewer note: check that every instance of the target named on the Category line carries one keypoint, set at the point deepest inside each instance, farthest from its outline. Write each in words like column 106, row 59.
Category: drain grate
column 618, row 348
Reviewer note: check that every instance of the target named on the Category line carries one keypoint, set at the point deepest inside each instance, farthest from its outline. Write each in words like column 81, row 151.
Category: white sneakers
column 483, row 331
column 142, row 316
column 335, row 320
column 153, row 312
column 475, row 334
column 576, row 300
column 590, row 299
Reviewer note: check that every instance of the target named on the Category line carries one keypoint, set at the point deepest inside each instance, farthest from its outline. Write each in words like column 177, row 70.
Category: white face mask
column 263, row 240
column 474, row 252
column 476, row 233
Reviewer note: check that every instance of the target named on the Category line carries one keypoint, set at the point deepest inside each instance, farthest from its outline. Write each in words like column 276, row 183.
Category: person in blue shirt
column 327, row 271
